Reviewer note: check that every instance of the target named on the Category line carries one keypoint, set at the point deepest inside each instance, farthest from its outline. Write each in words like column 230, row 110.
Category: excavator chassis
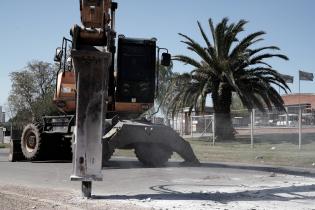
column 124, row 134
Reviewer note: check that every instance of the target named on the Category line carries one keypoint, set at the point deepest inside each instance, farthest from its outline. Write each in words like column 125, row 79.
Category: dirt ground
column 231, row 191
column 26, row 198
column 253, row 185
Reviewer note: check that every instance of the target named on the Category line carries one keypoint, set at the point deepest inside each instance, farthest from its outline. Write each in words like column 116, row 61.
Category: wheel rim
column 30, row 142
column 10, row 155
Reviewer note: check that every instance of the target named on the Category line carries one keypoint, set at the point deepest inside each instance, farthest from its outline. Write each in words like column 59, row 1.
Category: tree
column 236, row 102
column 164, row 83
column 228, row 65
column 32, row 91
column 165, row 76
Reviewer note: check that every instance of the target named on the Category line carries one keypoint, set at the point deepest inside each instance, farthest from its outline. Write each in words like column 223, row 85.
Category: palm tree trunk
column 222, row 101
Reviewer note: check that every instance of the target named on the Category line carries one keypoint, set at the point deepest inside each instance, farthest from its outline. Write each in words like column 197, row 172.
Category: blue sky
column 32, row 29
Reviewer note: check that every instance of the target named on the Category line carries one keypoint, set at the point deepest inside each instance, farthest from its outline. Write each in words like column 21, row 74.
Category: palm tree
column 165, row 75
column 227, row 65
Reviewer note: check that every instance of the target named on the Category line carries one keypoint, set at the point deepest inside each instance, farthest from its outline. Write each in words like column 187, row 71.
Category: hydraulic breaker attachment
column 91, row 68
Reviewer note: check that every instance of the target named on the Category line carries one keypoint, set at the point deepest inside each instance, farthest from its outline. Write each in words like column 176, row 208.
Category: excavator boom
column 95, row 13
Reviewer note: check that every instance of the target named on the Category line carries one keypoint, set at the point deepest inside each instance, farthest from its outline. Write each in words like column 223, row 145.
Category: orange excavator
column 102, row 106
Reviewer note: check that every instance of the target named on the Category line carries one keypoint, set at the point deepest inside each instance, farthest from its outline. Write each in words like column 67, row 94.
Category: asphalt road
column 221, row 186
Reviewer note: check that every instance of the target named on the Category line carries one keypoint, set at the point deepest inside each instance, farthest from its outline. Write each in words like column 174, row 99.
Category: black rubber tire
column 152, row 154
column 107, row 152
column 32, row 144
column 58, row 147
column 15, row 152
column 11, row 156
column 66, row 148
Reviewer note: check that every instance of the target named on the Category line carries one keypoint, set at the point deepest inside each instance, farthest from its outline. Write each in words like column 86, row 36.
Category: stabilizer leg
column 130, row 132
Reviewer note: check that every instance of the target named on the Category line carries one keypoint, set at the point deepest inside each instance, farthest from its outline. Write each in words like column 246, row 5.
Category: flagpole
column 300, row 114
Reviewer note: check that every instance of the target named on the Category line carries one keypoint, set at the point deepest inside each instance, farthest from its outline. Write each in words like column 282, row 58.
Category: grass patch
column 4, row 146
column 281, row 154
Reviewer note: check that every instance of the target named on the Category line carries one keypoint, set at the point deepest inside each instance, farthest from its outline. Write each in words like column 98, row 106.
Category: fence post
column 1, row 135
column 181, row 125
column 252, row 128
column 175, row 124
column 206, row 125
column 287, row 117
column 300, row 127
column 191, row 126
column 213, row 129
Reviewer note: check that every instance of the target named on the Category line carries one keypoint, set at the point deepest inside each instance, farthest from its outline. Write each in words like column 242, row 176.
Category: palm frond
column 187, row 60
column 245, row 43
column 209, row 45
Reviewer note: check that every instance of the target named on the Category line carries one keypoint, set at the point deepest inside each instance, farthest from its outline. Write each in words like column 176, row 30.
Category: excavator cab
column 64, row 97
column 135, row 77
column 136, row 63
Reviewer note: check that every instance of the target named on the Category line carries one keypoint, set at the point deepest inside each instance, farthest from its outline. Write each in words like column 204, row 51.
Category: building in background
column 1, row 129
column 296, row 99
column 2, row 115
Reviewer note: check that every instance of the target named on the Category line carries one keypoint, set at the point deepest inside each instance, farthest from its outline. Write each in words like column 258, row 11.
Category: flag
column 287, row 78
column 306, row 76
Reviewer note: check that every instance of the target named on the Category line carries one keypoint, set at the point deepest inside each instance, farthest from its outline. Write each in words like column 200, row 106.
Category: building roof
column 296, row 98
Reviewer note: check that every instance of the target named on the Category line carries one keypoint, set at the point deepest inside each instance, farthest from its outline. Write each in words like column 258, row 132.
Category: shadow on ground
column 165, row 192
column 126, row 164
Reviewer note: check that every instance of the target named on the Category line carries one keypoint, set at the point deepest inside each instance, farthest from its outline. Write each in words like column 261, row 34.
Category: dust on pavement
column 25, row 198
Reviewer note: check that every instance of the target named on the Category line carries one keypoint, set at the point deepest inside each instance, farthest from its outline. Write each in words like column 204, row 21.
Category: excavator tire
column 66, row 149
column 15, row 152
column 152, row 154
column 32, row 143
column 107, row 152
column 60, row 147
column 11, row 156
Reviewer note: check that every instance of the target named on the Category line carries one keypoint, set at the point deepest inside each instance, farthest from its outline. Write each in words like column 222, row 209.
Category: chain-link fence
column 296, row 122
column 268, row 137
column 193, row 126
column 274, row 118
column 178, row 124
column 201, row 125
